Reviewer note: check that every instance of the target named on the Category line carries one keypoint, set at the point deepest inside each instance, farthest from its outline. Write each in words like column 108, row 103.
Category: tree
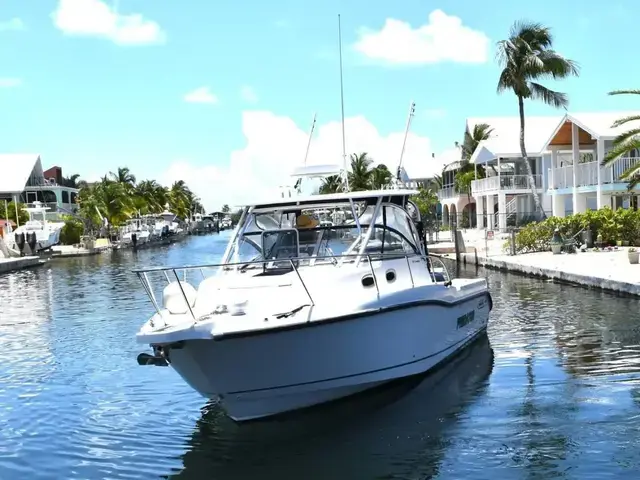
column 225, row 208
column 360, row 174
column 331, row 184
column 23, row 215
column 381, row 177
column 426, row 200
column 526, row 57
column 624, row 143
column 480, row 132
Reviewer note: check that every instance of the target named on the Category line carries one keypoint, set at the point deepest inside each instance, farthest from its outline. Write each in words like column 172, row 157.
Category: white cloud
column 10, row 82
column 275, row 145
column 13, row 24
column 248, row 94
column 201, row 95
column 443, row 38
column 95, row 18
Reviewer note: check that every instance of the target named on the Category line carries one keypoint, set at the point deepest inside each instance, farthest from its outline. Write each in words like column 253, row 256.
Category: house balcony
column 504, row 183
column 448, row 192
column 587, row 174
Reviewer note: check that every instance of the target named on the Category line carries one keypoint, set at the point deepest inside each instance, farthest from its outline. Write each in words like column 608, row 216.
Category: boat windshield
column 324, row 234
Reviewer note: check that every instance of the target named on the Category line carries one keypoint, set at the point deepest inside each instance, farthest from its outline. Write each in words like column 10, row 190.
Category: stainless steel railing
column 439, row 274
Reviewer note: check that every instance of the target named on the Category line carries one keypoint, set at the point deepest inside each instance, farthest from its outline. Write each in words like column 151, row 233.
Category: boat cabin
column 292, row 229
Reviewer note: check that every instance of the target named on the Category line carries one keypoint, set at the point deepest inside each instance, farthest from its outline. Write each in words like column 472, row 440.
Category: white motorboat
column 38, row 233
column 297, row 314
column 136, row 232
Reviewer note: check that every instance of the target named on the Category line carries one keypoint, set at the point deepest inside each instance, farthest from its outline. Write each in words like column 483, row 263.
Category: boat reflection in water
column 396, row 430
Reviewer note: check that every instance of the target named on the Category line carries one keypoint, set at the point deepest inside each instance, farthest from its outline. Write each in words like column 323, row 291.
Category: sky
column 222, row 94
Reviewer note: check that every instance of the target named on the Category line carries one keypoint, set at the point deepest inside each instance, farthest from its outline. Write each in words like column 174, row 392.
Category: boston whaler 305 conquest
column 299, row 313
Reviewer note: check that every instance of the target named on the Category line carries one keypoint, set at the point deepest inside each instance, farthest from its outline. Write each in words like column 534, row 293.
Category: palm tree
column 481, row 131
column 526, row 57
column 124, row 177
column 381, row 177
column 360, row 174
column 331, row 184
column 624, row 143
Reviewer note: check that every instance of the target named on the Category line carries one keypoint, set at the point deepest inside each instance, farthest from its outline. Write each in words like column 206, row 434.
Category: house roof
column 505, row 138
column 15, row 170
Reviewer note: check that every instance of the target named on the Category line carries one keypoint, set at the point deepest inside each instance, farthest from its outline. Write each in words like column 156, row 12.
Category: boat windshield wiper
column 291, row 313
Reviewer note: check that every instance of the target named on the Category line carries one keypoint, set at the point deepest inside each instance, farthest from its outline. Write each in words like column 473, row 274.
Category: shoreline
column 511, row 264
column 8, row 265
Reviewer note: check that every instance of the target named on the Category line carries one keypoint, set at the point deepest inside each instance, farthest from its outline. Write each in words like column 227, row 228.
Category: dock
column 19, row 263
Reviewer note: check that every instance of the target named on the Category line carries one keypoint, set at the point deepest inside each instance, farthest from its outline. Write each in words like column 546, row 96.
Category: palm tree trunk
column 532, row 183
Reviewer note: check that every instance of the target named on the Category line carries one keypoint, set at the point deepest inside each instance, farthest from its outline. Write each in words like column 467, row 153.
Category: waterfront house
column 504, row 198
column 22, row 178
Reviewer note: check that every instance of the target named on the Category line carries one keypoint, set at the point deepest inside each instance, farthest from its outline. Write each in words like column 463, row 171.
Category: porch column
column 479, row 212
column 600, row 156
column 554, row 162
column 575, row 153
column 557, row 205
column 502, row 211
column 491, row 210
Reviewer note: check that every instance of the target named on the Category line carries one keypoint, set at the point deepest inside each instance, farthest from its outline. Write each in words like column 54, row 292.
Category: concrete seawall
column 13, row 264
column 603, row 270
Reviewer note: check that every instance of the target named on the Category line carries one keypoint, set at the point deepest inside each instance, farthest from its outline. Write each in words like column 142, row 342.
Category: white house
column 504, row 197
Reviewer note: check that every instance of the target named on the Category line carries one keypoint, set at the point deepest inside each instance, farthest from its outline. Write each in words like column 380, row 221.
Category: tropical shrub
column 612, row 226
column 71, row 232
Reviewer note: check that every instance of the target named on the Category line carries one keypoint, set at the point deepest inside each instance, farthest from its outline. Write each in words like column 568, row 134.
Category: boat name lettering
column 466, row 319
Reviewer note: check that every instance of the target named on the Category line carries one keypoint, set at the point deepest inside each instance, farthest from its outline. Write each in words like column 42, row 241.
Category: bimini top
column 329, row 198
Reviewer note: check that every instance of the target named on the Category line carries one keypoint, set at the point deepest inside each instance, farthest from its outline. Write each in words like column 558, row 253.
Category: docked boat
column 299, row 313
column 136, row 233
column 38, row 233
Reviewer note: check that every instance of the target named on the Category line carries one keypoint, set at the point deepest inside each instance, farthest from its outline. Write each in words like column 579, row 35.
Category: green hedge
column 621, row 224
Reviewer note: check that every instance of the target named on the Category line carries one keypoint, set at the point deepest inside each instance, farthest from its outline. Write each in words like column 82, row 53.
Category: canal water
column 553, row 392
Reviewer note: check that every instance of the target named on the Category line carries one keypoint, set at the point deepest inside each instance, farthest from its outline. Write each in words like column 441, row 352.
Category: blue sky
column 90, row 91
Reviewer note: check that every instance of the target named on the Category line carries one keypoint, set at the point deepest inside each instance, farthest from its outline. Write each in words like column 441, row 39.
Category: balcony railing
column 448, row 192
column 587, row 173
column 503, row 183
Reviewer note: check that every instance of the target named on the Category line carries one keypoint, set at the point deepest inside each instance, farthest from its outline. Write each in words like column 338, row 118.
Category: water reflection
column 562, row 399
column 397, row 431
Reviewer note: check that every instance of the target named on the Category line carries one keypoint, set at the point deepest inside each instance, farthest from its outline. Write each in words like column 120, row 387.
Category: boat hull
column 261, row 374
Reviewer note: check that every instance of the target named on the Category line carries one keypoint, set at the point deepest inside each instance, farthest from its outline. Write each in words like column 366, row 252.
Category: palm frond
column 623, row 137
column 622, row 121
column 620, row 149
column 632, row 176
column 625, row 92
column 548, row 96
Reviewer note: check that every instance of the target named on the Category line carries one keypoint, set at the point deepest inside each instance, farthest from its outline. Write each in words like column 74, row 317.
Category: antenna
column 412, row 111
column 313, row 126
column 344, row 145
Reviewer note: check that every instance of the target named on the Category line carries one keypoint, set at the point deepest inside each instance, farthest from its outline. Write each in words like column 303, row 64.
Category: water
column 558, row 397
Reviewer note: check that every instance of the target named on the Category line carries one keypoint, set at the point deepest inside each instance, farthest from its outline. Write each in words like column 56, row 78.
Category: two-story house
column 504, row 197
column 22, row 178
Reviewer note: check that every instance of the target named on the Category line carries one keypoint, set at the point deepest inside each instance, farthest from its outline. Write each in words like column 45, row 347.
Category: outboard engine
column 19, row 237
column 165, row 231
column 134, row 239
column 32, row 240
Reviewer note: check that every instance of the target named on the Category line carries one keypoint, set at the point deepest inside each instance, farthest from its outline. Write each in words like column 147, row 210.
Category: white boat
column 136, row 232
column 297, row 314
column 47, row 234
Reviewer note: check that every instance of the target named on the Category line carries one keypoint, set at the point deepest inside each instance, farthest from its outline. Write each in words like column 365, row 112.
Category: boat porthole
column 367, row 281
column 390, row 276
